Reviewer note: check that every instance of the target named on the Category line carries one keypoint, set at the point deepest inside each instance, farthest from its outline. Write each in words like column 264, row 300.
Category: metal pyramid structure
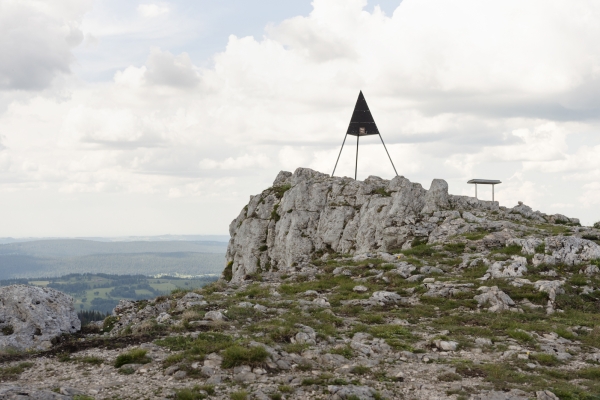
column 362, row 123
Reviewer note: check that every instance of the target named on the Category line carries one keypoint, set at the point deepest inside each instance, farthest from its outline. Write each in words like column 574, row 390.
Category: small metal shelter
column 362, row 124
column 484, row 182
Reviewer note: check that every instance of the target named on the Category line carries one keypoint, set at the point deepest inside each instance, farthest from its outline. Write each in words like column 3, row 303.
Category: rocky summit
column 340, row 289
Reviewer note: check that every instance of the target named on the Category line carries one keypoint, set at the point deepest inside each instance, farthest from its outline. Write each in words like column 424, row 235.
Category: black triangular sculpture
column 362, row 123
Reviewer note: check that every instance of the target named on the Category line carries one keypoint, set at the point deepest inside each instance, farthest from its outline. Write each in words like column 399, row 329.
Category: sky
column 162, row 117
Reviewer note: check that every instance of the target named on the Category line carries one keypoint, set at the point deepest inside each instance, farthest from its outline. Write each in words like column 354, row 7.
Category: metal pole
column 393, row 166
column 493, row 192
column 338, row 159
column 475, row 190
column 356, row 165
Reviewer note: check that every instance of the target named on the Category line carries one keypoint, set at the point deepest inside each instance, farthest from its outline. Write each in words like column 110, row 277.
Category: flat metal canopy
column 484, row 181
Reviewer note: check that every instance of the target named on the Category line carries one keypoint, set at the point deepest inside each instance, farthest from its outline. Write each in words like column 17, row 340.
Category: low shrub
column 237, row 355
column 241, row 395
column 135, row 356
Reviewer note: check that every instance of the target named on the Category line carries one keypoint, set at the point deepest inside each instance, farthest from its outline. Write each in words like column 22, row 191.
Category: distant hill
column 80, row 247
column 63, row 256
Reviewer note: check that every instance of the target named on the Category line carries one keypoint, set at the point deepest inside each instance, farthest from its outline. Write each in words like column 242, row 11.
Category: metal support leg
column 475, row 190
column 338, row 159
column 386, row 150
column 356, row 164
column 493, row 192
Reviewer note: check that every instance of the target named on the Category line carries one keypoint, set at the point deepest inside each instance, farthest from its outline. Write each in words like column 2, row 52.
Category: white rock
column 386, row 297
column 483, row 342
column 214, row 316
column 446, row 345
column 551, row 287
column 496, row 298
column 340, row 215
column 35, row 316
column 360, row 289
column 163, row 318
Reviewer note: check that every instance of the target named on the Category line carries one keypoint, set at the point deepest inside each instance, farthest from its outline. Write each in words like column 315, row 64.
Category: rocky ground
column 484, row 302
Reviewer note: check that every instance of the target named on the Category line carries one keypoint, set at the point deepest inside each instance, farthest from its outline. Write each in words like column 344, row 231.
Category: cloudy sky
column 126, row 117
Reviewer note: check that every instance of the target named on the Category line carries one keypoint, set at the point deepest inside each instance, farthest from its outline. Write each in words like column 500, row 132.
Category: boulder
column 496, row 298
column 30, row 317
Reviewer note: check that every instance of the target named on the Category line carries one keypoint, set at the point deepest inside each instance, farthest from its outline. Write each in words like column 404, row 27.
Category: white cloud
column 458, row 89
column 152, row 10
column 36, row 41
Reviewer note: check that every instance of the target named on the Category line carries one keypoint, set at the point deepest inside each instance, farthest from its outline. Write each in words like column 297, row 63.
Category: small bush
column 195, row 393
column 228, row 271
column 286, row 389
column 382, row 192
column 345, row 351
column 361, row 370
column 8, row 330
column 241, row 395
column 274, row 216
column 109, row 324
column 135, row 356
column 449, row 377
column 9, row 373
column 237, row 355
column 597, row 225
column 280, row 190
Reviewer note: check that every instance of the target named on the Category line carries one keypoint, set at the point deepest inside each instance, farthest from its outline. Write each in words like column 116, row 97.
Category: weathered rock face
column 30, row 317
column 308, row 213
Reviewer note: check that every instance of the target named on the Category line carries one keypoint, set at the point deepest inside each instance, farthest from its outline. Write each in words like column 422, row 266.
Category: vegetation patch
column 237, row 355
column 134, row 356
column 12, row 373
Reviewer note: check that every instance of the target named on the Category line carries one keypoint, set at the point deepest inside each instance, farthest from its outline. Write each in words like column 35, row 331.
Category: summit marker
column 362, row 123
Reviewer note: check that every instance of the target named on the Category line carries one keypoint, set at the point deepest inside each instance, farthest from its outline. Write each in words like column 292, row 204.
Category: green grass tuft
column 135, row 356
column 237, row 355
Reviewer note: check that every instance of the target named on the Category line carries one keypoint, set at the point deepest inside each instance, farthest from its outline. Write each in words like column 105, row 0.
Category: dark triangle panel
column 362, row 122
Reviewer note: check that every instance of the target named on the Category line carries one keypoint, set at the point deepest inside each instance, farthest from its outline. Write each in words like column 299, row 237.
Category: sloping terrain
column 470, row 301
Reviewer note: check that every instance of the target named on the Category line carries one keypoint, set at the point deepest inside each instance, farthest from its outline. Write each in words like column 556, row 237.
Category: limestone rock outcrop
column 30, row 317
column 308, row 213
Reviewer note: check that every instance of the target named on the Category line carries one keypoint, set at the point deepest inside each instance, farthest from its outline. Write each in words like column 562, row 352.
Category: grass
column 512, row 250
column 237, row 355
column 195, row 393
column 194, row 349
column 421, row 250
column 345, row 351
column 547, row 360
column 134, row 356
column 361, row 370
column 456, row 248
column 241, row 395
column 279, row 191
column 10, row 373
